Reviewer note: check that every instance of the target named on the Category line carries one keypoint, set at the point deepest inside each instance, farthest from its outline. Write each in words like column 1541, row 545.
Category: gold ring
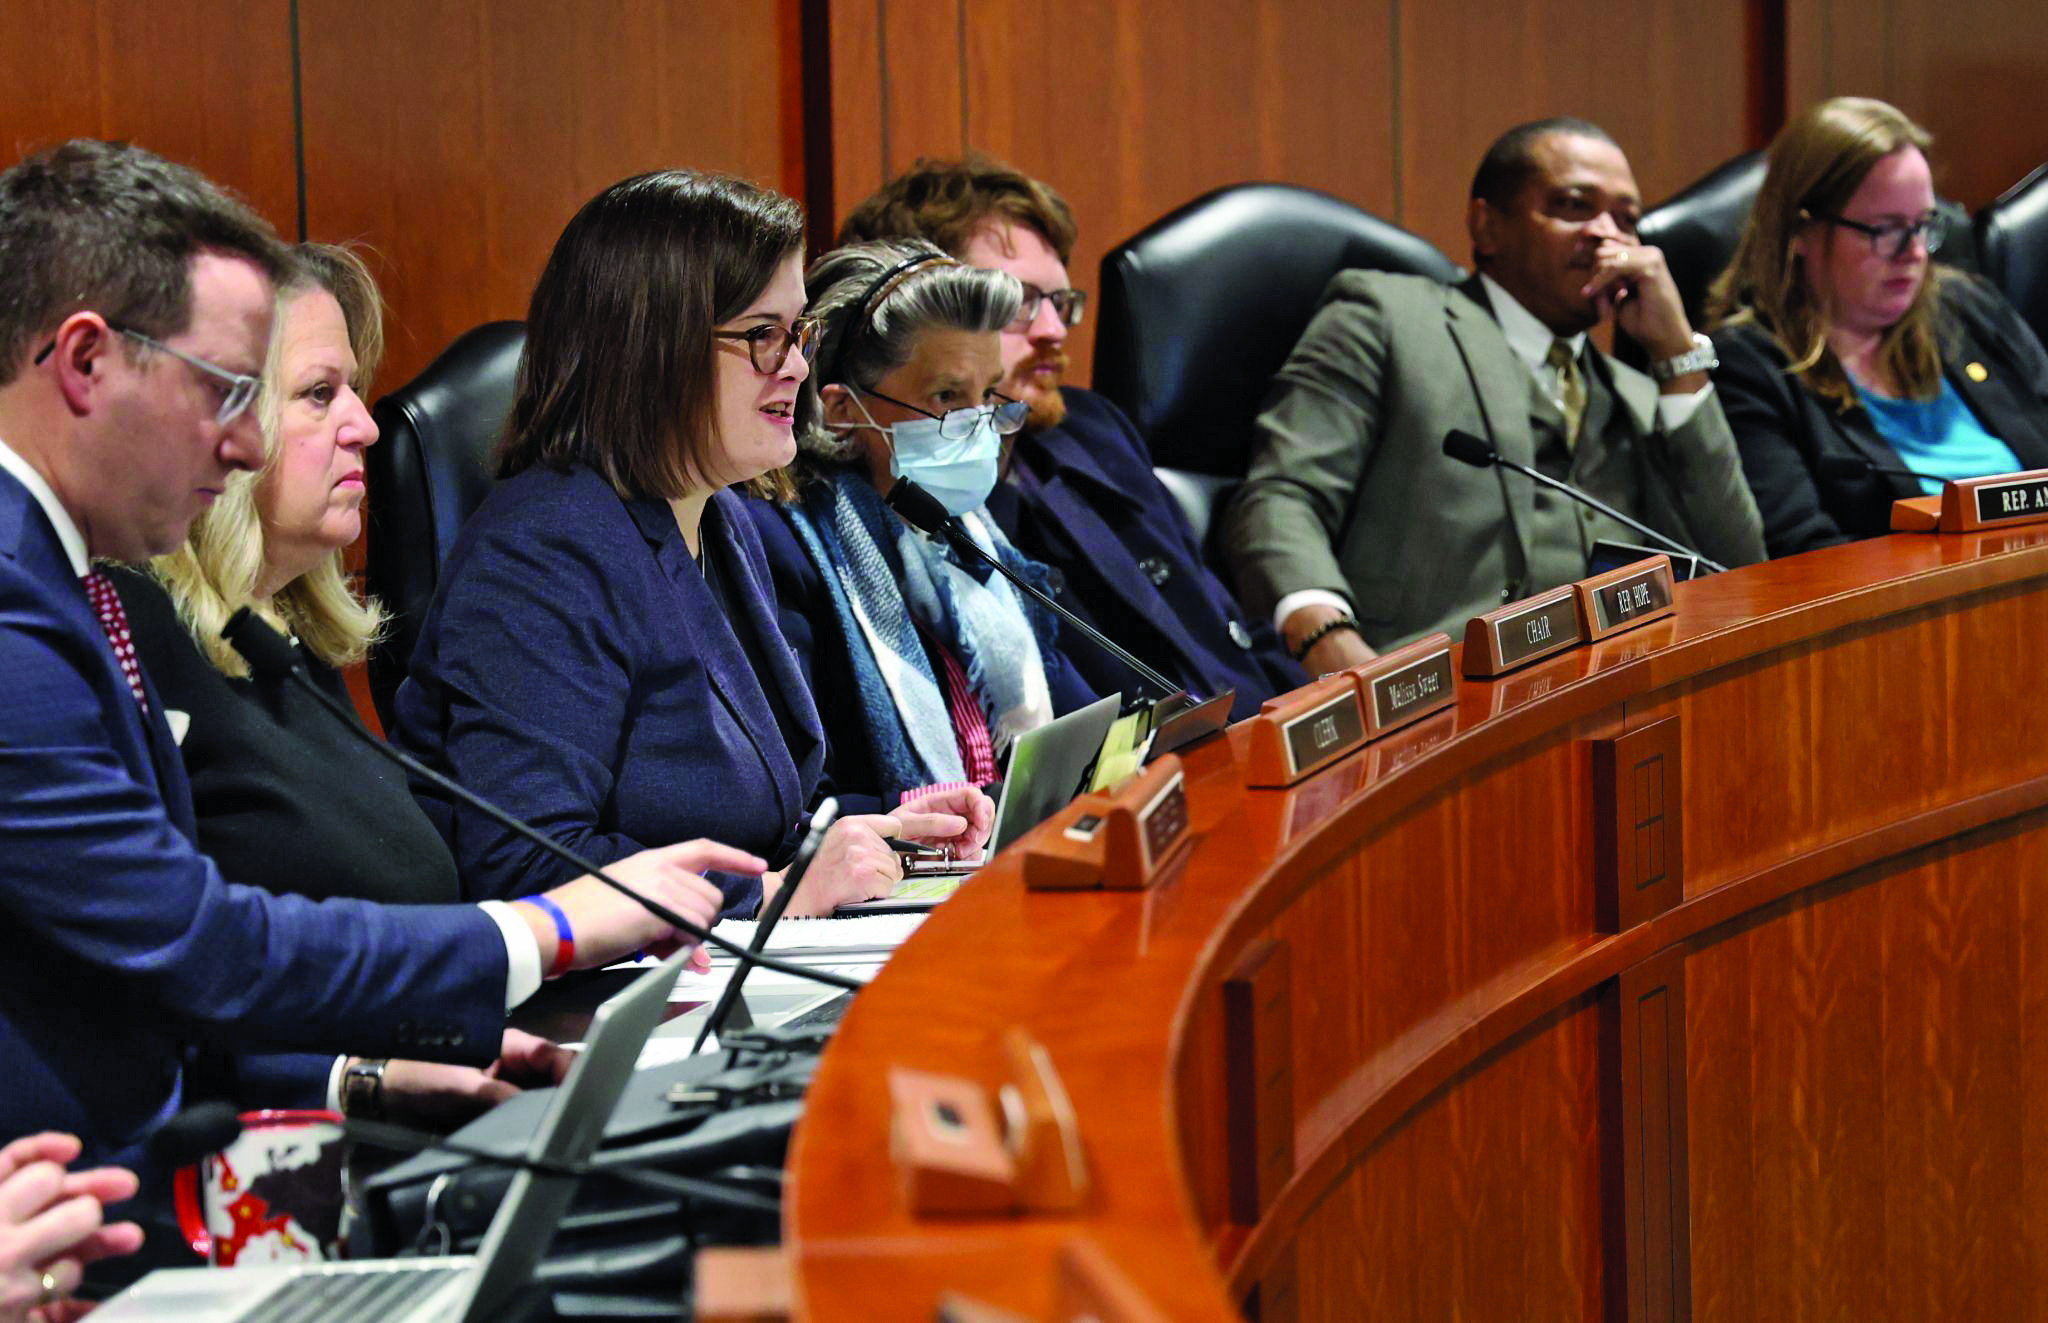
column 52, row 1292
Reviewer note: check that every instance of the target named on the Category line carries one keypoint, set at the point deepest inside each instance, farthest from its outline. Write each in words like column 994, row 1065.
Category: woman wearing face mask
column 602, row 652
column 941, row 664
column 1845, row 351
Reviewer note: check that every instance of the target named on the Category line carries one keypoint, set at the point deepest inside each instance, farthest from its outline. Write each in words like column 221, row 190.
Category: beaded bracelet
column 1317, row 635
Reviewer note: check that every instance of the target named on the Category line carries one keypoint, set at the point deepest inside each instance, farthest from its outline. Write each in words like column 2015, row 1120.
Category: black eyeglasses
column 235, row 389
column 1069, row 304
column 1891, row 239
column 768, row 344
column 958, row 424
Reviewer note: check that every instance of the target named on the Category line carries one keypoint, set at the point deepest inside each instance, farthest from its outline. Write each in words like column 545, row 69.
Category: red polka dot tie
column 106, row 603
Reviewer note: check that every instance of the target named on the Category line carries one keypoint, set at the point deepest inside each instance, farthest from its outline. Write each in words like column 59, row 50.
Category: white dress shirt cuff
column 1675, row 411
column 522, row 952
column 334, row 1084
column 1302, row 597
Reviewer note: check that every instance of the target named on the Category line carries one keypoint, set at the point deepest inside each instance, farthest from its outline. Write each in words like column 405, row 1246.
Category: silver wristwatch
column 1700, row 358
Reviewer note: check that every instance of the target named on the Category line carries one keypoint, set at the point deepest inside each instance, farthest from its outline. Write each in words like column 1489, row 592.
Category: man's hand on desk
column 609, row 927
column 428, row 1095
column 1338, row 648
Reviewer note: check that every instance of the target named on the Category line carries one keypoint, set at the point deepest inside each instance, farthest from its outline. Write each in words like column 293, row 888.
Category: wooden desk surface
column 1808, row 1082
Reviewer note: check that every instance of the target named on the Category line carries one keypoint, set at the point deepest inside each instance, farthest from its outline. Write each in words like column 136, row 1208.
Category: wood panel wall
column 1970, row 70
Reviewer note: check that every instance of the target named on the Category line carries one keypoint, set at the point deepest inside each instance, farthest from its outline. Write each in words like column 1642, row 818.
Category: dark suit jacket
column 575, row 666
column 808, row 621
column 1786, row 433
column 1082, row 499
column 126, row 944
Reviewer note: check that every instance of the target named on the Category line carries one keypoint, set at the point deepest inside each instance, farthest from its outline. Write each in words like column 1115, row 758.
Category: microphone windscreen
column 194, row 1133
column 1843, row 468
column 919, row 508
column 268, row 652
column 1469, row 449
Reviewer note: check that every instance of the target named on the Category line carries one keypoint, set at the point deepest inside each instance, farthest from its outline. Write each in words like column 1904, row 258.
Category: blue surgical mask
column 959, row 474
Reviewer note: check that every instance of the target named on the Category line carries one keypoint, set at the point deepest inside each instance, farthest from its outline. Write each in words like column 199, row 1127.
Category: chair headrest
column 1699, row 228
column 1200, row 309
column 2012, row 241
column 428, row 473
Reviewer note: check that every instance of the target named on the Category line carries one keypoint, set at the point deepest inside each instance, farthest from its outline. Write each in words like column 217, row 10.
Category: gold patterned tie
column 1571, row 390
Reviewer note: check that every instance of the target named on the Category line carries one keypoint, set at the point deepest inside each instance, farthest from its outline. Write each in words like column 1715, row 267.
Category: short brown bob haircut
column 617, row 369
column 948, row 202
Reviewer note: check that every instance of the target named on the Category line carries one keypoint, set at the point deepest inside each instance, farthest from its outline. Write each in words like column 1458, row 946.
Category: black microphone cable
column 1480, row 453
column 271, row 657
column 922, row 511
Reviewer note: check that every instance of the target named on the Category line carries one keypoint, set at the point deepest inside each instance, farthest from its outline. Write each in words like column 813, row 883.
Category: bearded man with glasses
column 1078, row 493
column 1850, row 360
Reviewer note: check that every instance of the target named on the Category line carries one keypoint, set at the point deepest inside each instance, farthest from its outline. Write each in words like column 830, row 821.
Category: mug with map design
column 272, row 1196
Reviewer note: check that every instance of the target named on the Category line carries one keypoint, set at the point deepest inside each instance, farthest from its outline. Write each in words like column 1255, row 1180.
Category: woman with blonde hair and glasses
column 1846, row 351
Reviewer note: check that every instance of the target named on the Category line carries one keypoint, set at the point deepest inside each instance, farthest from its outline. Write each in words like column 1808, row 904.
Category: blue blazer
column 125, row 945
column 575, row 667
column 1082, row 499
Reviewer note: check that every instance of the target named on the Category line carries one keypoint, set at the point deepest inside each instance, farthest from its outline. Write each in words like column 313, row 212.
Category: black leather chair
column 427, row 474
column 2012, row 244
column 1698, row 228
column 1199, row 310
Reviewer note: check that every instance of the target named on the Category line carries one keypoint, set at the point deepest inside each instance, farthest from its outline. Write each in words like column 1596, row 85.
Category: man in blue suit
column 135, row 311
column 1079, row 494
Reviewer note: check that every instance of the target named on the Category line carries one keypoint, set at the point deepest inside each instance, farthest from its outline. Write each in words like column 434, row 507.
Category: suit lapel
column 1501, row 383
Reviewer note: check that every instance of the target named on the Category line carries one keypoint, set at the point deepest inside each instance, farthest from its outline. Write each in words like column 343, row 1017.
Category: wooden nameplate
column 1406, row 684
column 1119, row 840
column 1527, row 631
column 1624, row 598
column 962, row 1148
column 1305, row 731
column 1967, row 505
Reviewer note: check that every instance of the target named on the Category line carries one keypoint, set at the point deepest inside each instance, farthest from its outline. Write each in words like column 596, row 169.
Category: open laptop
column 1048, row 767
column 467, row 1287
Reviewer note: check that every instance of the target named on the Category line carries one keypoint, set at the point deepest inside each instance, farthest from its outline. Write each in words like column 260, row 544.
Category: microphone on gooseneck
column 195, row 1133
column 922, row 511
column 1480, row 453
column 771, row 914
column 272, row 659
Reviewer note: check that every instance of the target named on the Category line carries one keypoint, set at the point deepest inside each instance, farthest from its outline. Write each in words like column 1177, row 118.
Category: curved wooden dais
column 1698, row 973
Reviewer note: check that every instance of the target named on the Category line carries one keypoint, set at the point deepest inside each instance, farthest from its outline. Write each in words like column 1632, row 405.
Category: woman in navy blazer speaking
column 602, row 655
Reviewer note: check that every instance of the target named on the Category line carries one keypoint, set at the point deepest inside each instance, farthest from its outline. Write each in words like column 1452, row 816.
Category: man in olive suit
column 1357, row 533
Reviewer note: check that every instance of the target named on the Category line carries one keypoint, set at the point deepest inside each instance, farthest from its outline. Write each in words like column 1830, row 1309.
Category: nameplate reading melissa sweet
column 1528, row 631
column 1624, row 598
column 2005, row 498
column 1408, row 684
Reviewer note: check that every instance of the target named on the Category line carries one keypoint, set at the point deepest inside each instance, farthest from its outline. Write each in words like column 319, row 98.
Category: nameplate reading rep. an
column 2009, row 498
column 1407, row 684
column 1528, row 631
column 1624, row 598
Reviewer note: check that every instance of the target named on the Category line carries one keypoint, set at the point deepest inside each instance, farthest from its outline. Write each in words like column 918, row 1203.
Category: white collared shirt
column 1530, row 340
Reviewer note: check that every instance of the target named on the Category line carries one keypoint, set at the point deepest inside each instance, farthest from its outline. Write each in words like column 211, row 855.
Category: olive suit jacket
column 1349, row 489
